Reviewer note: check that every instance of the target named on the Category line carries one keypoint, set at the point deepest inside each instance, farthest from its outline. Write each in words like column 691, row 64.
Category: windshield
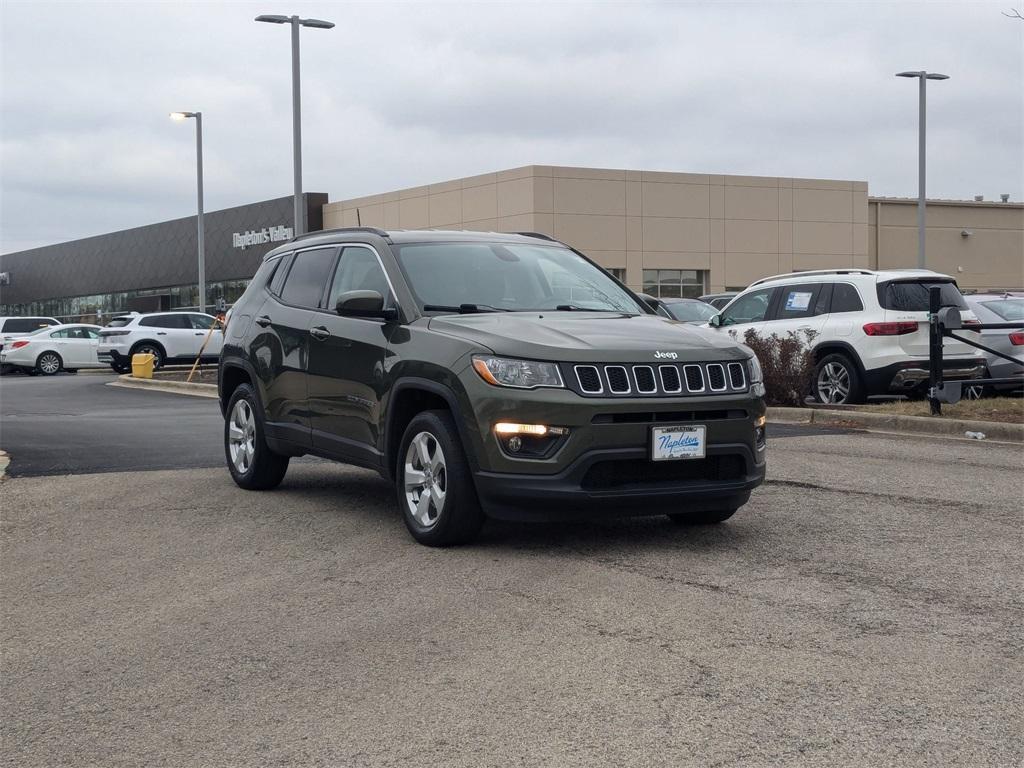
column 510, row 277
column 912, row 295
column 691, row 311
column 1010, row 310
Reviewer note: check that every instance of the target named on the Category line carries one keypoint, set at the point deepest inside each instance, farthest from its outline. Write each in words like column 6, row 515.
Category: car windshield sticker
column 798, row 301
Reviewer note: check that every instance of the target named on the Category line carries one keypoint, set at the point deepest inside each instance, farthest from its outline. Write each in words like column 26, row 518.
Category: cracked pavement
column 863, row 610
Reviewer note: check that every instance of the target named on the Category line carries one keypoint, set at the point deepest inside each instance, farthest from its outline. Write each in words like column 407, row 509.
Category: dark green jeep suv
column 485, row 375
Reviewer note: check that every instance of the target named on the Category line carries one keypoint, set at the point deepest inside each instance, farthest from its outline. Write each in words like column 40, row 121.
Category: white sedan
column 50, row 350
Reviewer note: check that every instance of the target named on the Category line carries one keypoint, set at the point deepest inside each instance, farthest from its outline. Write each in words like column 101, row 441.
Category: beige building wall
column 979, row 243
column 734, row 228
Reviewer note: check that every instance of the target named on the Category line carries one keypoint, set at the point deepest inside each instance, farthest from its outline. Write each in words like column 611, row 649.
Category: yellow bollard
column 142, row 366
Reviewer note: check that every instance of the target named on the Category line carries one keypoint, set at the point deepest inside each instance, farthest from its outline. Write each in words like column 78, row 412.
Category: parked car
column 689, row 310
column 53, row 349
column 169, row 336
column 15, row 327
column 870, row 328
column 719, row 300
column 485, row 374
column 1001, row 308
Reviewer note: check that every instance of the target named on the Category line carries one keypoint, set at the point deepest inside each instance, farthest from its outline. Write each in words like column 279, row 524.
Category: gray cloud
column 405, row 94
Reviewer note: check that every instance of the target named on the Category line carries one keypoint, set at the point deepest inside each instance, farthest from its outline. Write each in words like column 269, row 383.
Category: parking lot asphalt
column 863, row 610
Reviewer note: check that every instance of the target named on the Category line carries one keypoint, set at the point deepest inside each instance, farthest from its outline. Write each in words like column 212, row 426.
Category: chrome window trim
column 637, row 381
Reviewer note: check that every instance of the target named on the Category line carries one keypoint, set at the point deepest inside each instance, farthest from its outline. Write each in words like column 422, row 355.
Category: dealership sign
column 278, row 234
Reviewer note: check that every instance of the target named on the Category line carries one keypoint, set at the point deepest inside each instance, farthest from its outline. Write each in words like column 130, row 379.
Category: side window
column 153, row 321
column 26, row 324
column 90, row 333
column 200, row 322
column 277, row 279
column 797, row 301
column 751, row 308
column 846, row 299
column 304, row 286
column 358, row 270
column 64, row 333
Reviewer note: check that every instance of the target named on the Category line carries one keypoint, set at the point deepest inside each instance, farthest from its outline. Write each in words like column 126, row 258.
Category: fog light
column 760, row 421
column 515, row 443
column 537, row 430
column 532, row 441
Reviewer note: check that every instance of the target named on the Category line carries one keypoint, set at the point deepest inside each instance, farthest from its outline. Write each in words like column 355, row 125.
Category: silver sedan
column 1001, row 308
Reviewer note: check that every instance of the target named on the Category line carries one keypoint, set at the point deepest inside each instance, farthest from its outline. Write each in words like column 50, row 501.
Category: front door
column 748, row 311
column 346, row 363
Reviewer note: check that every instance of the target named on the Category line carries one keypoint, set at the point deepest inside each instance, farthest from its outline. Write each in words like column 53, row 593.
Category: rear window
column 119, row 322
column 845, row 298
column 912, row 295
column 304, row 286
column 1010, row 310
column 27, row 324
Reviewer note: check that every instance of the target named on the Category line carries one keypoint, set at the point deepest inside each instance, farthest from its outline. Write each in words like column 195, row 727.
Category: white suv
column 871, row 328
column 168, row 336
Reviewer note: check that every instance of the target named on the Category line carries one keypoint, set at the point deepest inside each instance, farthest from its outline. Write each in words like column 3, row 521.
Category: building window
column 619, row 273
column 674, row 283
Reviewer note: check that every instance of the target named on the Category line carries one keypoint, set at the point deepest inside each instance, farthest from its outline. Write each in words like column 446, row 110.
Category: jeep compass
column 501, row 375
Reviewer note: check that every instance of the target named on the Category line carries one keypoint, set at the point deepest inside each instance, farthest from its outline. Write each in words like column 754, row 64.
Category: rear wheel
column 252, row 464
column 146, row 348
column 837, row 381
column 434, row 484
column 711, row 517
column 49, row 364
column 120, row 367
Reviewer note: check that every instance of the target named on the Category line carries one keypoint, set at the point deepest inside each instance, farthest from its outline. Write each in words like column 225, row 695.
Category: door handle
column 161, row 333
column 263, row 321
column 319, row 333
column 199, row 333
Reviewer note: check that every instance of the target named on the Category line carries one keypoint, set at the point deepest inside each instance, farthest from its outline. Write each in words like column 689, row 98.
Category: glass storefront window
column 675, row 283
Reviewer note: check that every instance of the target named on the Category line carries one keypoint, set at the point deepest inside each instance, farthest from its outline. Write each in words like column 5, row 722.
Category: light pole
column 199, row 199
column 923, row 77
column 296, row 22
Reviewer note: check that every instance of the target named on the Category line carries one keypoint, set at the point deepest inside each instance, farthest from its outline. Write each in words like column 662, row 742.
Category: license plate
column 683, row 442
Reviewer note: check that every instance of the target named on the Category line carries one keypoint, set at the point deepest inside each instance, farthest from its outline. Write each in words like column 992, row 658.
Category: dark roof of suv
column 412, row 236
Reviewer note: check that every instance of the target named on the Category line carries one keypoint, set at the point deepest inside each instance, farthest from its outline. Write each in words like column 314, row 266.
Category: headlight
column 523, row 374
column 755, row 370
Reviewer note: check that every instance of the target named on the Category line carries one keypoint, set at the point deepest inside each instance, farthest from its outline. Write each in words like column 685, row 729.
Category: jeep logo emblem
column 666, row 355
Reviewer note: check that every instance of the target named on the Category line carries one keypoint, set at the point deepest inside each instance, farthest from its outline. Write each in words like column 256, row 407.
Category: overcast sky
column 399, row 95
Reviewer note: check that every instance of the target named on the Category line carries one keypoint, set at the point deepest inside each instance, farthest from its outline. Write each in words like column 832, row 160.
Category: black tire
column 826, row 388
column 711, row 517
column 264, row 469
column 49, row 364
column 148, row 347
column 460, row 518
column 120, row 367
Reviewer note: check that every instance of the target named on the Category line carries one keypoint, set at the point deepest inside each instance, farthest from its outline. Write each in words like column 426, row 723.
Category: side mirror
column 363, row 304
column 716, row 321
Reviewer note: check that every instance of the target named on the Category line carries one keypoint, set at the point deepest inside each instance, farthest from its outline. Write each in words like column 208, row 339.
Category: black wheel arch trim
column 841, row 347
column 242, row 365
column 157, row 344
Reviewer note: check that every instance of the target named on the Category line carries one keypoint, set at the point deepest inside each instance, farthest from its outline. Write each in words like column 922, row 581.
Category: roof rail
column 316, row 233
column 541, row 235
column 811, row 272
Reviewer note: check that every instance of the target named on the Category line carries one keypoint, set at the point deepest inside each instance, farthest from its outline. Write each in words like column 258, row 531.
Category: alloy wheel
column 49, row 364
column 833, row 383
column 425, row 477
column 242, row 436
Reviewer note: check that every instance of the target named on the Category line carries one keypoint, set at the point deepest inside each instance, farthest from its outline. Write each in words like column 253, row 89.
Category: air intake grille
column 662, row 380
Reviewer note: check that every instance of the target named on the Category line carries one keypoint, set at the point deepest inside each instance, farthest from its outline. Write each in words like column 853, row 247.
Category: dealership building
column 668, row 234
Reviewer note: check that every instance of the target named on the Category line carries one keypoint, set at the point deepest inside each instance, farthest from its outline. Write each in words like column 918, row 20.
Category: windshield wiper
column 462, row 309
column 577, row 308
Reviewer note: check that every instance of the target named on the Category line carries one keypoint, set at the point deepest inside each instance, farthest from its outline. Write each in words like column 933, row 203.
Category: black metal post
column 934, row 350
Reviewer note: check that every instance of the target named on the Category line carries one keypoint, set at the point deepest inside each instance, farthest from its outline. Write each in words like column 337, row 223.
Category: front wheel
column 434, row 484
column 709, row 517
column 252, row 464
column 837, row 381
column 49, row 364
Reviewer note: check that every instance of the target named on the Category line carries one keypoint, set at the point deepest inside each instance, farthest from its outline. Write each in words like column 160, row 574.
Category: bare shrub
column 787, row 364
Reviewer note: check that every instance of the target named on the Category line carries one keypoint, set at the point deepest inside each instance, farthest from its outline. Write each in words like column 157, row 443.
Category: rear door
column 79, row 349
column 346, row 363
column 801, row 308
column 907, row 300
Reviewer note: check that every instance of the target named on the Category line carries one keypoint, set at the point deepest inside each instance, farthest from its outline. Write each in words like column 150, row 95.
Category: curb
column 174, row 387
column 883, row 422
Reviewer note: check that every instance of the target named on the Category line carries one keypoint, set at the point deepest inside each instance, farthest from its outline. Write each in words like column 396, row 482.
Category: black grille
column 716, row 377
column 645, row 382
column 618, row 380
column 590, row 380
column 694, row 378
column 736, row 377
column 608, row 475
column 670, row 378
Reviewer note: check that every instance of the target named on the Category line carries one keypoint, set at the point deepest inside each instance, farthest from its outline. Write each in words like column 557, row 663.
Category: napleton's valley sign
column 278, row 234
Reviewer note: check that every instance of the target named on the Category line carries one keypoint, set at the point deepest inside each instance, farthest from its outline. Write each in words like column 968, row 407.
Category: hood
column 591, row 337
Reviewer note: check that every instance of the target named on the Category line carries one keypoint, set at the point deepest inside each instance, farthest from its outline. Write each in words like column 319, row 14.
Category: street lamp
column 924, row 77
column 179, row 116
column 296, row 22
